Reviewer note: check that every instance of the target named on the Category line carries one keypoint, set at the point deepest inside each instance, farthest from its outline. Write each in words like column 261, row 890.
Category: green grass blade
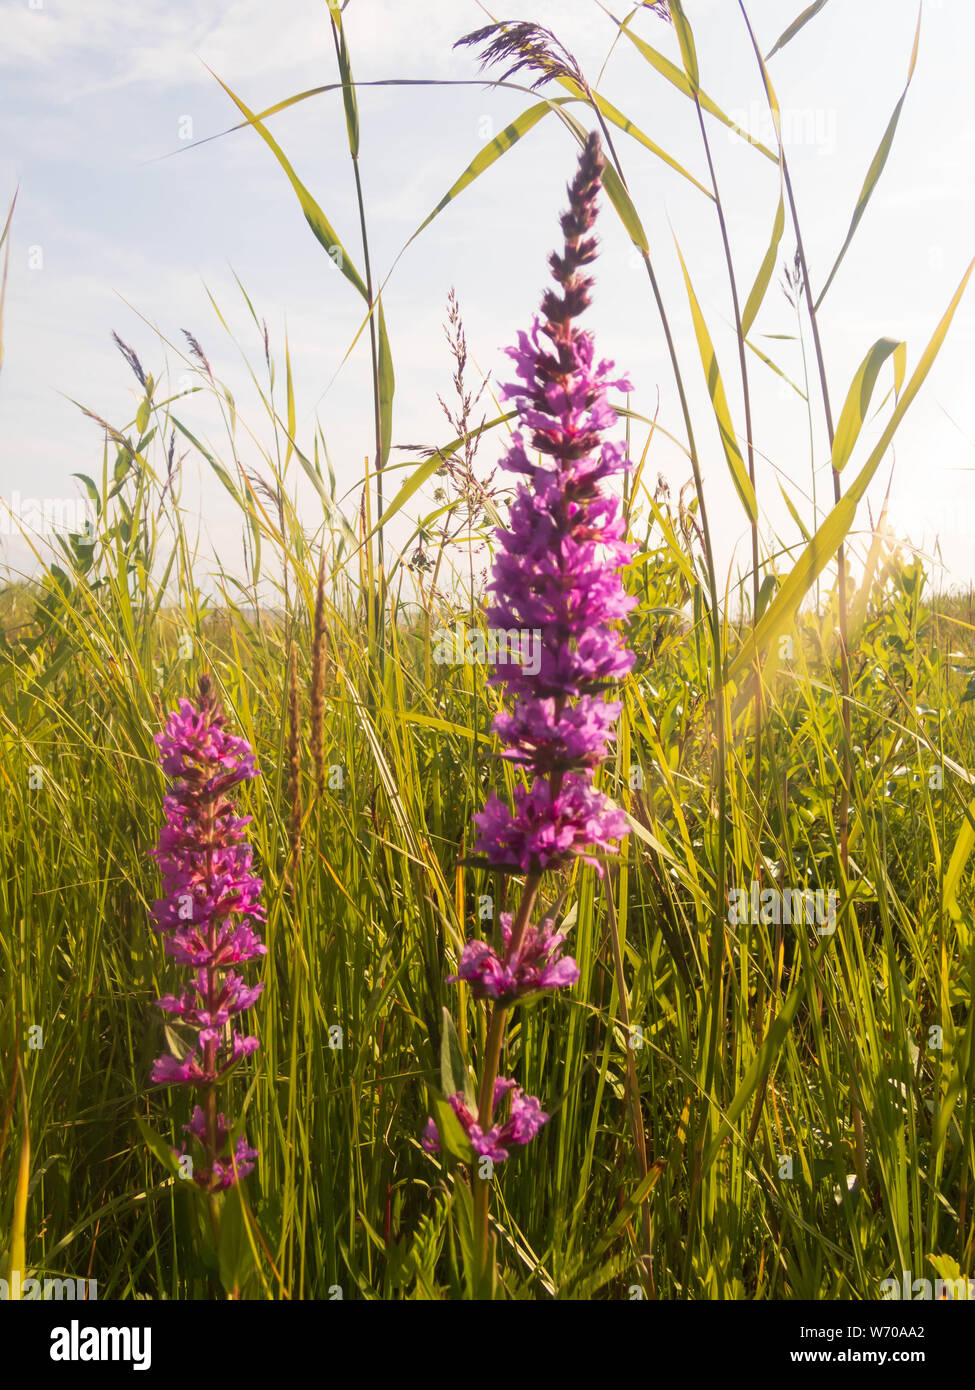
column 789, row 34
column 688, row 50
column 616, row 118
column 387, row 382
column 719, row 401
column 678, row 79
column 772, row 366
column 858, row 397
column 489, row 155
column 960, row 855
column 876, row 168
column 766, row 270
column 780, row 615
column 323, row 230
column 348, row 86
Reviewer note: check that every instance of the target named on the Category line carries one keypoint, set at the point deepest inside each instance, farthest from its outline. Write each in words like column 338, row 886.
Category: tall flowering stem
column 557, row 573
column 210, row 901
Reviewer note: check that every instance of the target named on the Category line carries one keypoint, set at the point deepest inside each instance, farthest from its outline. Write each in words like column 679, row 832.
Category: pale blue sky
column 94, row 95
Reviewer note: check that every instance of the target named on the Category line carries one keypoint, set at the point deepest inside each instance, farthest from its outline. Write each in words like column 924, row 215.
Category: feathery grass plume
column 556, row 573
column 317, row 689
column 133, row 361
column 197, row 352
column 458, row 468
column 524, row 46
column 210, row 900
column 294, row 760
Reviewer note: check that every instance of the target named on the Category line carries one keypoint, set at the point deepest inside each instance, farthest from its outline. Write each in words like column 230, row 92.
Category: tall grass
column 740, row 1108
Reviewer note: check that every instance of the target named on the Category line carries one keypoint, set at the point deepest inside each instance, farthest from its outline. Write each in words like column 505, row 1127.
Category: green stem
column 846, row 777
column 492, row 1061
column 379, row 597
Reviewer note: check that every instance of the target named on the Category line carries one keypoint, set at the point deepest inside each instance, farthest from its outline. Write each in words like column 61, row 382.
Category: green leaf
column 816, row 556
column 678, row 79
column 453, row 1140
column 613, row 187
column 348, row 86
column 629, row 1208
column 331, row 510
column 123, row 462
column 739, row 474
column 774, row 1039
column 764, row 594
column 236, row 1258
column 387, row 384
column 685, row 38
column 623, row 203
column 91, row 490
column 429, row 466
column 875, row 170
column 412, row 485
column 804, row 531
column 158, row 1146
column 528, row 119
column 218, row 468
column 767, row 268
column 789, row 34
column 773, row 367
column 454, row 1075
column 780, row 615
column 858, row 606
column 462, row 1221
column 861, row 390
column 324, row 232
column 949, row 1270
column 960, row 855
column 616, row 118
column 492, row 152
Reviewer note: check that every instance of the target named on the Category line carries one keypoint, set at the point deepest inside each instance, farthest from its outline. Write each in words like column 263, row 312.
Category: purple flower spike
column 210, row 903
column 537, row 965
column 525, row 1119
column 546, row 831
column 220, row 1175
column 557, row 576
column 557, row 571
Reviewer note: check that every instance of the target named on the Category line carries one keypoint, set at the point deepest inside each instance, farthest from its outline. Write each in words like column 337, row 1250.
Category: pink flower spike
column 207, row 914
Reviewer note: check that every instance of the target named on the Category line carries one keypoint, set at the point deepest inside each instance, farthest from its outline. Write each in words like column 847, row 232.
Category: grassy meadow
column 743, row 1106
